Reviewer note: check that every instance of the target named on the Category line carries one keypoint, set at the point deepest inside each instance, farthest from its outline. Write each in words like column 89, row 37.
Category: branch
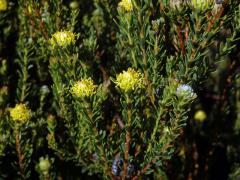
column 127, row 145
column 19, row 153
column 182, row 46
column 120, row 122
column 218, row 15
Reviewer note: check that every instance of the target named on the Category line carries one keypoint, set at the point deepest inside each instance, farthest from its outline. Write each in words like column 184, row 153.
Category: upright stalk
column 127, row 139
column 19, row 153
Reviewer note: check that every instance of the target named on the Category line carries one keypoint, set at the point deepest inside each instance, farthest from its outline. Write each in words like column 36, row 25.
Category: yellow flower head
column 20, row 113
column 3, row 5
column 62, row 38
column 84, row 88
column 201, row 4
column 129, row 80
column 44, row 165
column 126, row 5
column 200, row 116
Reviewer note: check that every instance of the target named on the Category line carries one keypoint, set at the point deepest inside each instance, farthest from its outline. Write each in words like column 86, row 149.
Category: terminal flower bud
column 202, row 4
column 129, row 80
column 186, row 91
column 62, row 38
column 83, row 88
column 126, row 5
column 20, row 113
column 3, row 5
column 200, row 116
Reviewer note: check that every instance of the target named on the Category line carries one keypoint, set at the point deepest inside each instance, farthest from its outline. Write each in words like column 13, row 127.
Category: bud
column 185, row 91
column 44, row 90
column 126, row 5
column 3, row 5
column 166, row 130
column 44, row 165
column 202, row 4
column 20, row 113
column 200, row 116
column 83, row 88
column 51, row 122
column 129, row 80
column 74, row 5
column 155, row 25
column 62, row 38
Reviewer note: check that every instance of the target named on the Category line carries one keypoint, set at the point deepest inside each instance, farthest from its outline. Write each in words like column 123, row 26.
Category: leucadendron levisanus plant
column 110, row 84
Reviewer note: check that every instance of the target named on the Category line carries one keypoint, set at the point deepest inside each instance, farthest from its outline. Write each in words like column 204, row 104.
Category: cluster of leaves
column 112, row 133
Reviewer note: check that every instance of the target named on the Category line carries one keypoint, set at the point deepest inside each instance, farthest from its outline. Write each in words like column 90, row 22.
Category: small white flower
column 185, row 90
column 44, row 89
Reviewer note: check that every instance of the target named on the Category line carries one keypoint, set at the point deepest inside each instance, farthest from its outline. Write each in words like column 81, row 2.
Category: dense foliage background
column 134, row 89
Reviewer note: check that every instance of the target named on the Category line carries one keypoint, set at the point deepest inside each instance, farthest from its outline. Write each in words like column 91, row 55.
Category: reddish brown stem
column 126, row 154
column 145, row 169
column 218, row 15
column 181, row 40
column 187, row 33
column 19, row 153
column 127, row 145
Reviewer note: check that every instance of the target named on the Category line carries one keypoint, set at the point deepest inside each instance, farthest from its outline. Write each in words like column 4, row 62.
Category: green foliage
column 109, row 132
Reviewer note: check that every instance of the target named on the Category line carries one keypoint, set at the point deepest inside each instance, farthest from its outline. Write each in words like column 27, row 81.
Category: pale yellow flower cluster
column 129, row 80
column 202, row 4
column 3, row 5
column 126, row 5
column 200, row 116
column 83, row 88
column 62, row 38
column 44, row 165
column 20, row 113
